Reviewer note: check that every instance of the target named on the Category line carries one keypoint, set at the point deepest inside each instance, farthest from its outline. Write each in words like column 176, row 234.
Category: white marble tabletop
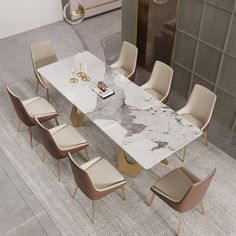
column 143, row 127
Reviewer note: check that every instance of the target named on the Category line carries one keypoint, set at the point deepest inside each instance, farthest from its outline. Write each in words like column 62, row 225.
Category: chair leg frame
column 47, row 93
column 58, row 170
column 45, row 155
column 151, row 200
column 75, row 192
column 205, row 138
column 179, row 225
column 202, row 208
column 123, row 192
column 86, row 157
column 93, row 216
column 37, row 87
column 56, row 120
column 18, row 125
column 31, row 138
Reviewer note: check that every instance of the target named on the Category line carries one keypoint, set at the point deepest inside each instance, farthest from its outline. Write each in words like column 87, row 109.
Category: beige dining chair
column 181, row 190
column 42, row 54
column 126, row 63
column 27, row 109
column 160, row 81
column 199, row 109
column 60, row 140
column 96, row 179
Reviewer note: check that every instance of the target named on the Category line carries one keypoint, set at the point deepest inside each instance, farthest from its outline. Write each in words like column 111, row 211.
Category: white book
column 102, row 94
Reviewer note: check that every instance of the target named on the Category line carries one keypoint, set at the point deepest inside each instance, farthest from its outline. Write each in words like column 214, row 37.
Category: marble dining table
column 145, row 129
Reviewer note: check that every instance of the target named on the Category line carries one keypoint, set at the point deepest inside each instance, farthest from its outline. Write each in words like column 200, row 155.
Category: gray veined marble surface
column 145, row 128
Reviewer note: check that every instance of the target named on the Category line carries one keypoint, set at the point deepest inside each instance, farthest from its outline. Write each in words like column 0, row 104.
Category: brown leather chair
column 27, row 109
column 60, row 140
column 42, row 54
column 96, row 179
column 181, row 190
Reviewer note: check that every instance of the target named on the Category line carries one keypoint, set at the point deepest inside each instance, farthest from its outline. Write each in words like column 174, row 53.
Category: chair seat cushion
column 66, row 136
column 103, row 174
column 174, row 185
column 154, row 93
column 193, row 120
column 38, row 107
column 122, row 71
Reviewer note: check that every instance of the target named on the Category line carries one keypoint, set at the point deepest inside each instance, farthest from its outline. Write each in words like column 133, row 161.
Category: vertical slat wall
column 205, row 53
column 156, row 28
column 160, row 32
column 143, row 6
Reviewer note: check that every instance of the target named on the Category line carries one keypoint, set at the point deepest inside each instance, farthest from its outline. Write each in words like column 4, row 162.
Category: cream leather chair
column 96, row 179
column 60, row 140
column 42, row 53
column 199, row 108
column 160, row 81
column 182, row 190
column 27, row 109
column 126, row 63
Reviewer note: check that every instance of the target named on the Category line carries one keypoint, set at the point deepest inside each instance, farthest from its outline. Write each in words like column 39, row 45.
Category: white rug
column 113, row 216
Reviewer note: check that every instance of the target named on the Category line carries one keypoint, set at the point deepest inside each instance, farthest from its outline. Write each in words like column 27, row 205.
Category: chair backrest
column 47, row 140
column 128, row 57
column 196, row 193
column 83, row 181
column 201, row 103
column 20, row 109
column 42, row 53
column 161, row 78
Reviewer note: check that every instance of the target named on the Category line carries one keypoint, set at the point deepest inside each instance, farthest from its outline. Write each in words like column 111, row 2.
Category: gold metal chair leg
column 205, row 138
column 123, row 192
column 47, row 91
column 75, row 192
column 58, row 170
column 93, row 212
column 180, row 220
column 56, row 120
column 31, row 138
column 45, row 154
column 152, row 199
column 18, row 125
column 37, row 87
column 86, row 154
column 202, row 208
column 124, row 166
column 75, row 117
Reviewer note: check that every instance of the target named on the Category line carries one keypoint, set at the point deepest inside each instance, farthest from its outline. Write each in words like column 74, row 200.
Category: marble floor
column 25, row 213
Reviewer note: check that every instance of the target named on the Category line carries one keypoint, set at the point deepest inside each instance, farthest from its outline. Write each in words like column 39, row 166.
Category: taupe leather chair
column 181, row 190
column 126, row 63
column 60, row 140
column 160, row 81
column 42, row 53
column 27, row 109
column 96, row 179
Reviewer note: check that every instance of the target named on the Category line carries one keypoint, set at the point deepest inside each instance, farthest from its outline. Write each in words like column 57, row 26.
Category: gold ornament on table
column 73, row 80
column 83, row 75
column 102, row 86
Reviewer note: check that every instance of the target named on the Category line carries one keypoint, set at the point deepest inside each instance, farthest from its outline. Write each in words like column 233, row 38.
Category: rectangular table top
column 142, row 126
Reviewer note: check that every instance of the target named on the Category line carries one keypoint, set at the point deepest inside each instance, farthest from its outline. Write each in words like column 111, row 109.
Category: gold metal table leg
column 124, row 166
column 165, row 162
column 75, row 117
